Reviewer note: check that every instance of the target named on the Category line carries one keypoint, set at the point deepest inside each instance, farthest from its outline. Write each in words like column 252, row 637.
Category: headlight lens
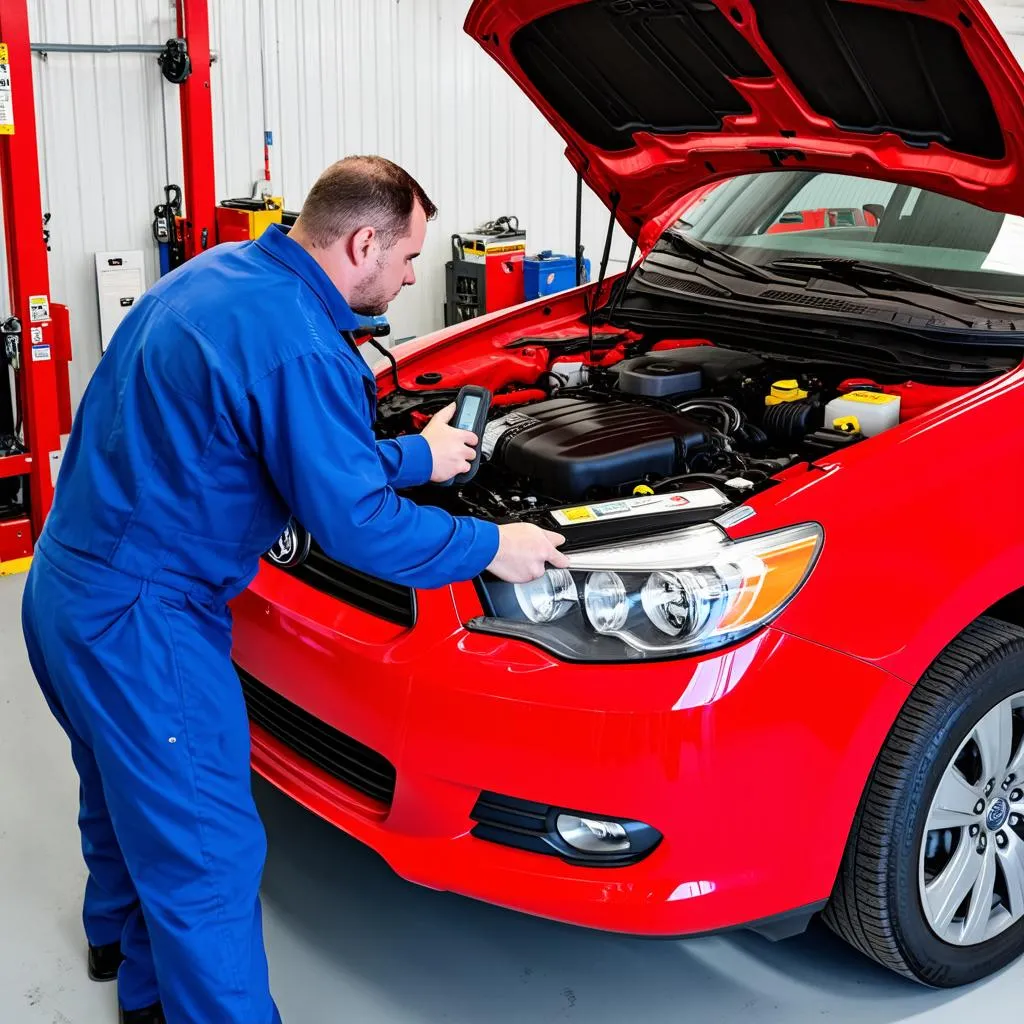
column 692, row 590
column 605, row 602
column 679, row 602
column 548, row 598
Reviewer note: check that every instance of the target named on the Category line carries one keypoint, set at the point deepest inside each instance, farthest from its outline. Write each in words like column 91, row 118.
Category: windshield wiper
column 804, row 268
column 702, row 254
column 857, row 272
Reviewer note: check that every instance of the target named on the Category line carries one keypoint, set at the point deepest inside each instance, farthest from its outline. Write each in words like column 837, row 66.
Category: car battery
column 485, row 272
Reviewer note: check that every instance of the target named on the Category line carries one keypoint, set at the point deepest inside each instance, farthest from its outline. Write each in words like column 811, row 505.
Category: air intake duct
column 792, row 421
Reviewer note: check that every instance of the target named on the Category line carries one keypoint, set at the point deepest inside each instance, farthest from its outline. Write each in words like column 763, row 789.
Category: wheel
column 932, row 881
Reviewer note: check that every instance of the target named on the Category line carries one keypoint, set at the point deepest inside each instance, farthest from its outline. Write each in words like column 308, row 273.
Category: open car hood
column 658, row 97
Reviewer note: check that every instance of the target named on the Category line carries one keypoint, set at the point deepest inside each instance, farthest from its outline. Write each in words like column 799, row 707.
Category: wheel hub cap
column 997, row 815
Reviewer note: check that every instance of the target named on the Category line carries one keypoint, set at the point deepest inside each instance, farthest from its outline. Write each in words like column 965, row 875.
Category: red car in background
column 815, row 220
column 784, row 674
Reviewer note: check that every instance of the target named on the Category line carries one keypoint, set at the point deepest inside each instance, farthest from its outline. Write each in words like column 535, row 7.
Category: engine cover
column 569, row 446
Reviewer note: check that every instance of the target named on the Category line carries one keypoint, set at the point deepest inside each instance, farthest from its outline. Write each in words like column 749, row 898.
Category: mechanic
column 231, row 397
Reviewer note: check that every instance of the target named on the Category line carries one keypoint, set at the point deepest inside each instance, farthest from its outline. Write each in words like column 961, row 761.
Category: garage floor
column 350, row 942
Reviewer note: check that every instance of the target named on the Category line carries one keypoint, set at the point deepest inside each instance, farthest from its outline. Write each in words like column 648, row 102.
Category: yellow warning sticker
column 577, row 515
column 6, row 105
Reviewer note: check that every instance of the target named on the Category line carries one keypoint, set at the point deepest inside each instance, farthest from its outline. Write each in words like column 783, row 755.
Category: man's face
column 391, row 270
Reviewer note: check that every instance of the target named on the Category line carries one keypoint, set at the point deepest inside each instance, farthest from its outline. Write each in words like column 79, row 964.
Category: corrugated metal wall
column 398, row 77
column 103, row 161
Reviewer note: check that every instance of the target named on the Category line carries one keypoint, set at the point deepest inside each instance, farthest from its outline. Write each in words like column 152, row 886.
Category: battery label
column 706, row 497
column 6, row 103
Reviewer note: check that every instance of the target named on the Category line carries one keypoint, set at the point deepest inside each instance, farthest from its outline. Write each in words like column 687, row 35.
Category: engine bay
column 629, row 419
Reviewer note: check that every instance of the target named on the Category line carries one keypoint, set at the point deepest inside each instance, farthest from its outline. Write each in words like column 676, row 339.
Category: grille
column 385, row 600
column 331, row 751
column 512, row 822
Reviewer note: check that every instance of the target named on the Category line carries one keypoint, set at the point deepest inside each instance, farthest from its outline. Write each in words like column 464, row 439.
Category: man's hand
column 452, row 449
column 525, row 551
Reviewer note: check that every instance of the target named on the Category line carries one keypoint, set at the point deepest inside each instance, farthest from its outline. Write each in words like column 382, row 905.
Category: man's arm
column 407, row 461
column 309, row 420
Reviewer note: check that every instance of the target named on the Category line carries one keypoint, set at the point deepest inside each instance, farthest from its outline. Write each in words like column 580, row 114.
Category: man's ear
column 361, row 245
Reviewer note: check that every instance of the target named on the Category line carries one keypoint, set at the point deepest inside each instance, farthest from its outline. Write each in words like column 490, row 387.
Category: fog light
column 592, row 835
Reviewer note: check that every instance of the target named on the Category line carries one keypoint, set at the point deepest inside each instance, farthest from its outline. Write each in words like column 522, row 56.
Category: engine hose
column 519, row 397
column 792, row 421
column 733, row 420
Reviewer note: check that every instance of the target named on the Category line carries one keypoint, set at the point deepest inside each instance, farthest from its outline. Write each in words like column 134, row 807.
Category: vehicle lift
column 36, row 337
column 35, row 340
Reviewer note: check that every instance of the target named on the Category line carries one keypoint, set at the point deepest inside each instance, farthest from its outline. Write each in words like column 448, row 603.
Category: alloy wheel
column 972, row 858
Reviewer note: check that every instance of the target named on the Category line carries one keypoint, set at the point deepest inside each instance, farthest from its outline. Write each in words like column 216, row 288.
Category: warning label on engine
column 706, row 497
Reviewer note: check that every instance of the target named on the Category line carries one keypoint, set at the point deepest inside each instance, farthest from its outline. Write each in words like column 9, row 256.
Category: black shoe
column 104, row 961
column 149, row 1015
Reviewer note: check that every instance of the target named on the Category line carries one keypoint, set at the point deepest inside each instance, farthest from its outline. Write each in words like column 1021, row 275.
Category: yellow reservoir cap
column 847, row 424
column 642, row 490
column 785, row 391
column 871, row 397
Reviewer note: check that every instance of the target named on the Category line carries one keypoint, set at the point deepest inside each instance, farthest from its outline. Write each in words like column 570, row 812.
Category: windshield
column 770, row 216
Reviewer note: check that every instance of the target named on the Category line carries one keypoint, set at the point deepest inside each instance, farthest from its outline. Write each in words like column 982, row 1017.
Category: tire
column 878, row 904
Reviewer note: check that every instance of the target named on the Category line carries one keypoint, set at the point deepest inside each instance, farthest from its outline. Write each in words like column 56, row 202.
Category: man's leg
column 171, row 737
column 110, row 896
column 111, row 915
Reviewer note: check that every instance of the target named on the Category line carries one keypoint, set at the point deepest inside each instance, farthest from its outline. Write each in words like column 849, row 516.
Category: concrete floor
column 350, row 942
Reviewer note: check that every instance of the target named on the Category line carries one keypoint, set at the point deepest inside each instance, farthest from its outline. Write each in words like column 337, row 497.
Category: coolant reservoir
column 873, row 411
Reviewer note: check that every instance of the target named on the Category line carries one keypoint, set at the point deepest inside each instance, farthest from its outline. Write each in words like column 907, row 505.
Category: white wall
column 102, row 156
column 397, row 77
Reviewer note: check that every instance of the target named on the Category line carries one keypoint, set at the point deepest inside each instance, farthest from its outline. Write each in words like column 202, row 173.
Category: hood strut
column 579, row 230
column 595, row 295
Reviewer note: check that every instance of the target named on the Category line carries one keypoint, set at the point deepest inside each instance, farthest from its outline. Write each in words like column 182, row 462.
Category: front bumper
column 750, row 762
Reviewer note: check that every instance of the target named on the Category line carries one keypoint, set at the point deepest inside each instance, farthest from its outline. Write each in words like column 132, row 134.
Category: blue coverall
column 229, row 398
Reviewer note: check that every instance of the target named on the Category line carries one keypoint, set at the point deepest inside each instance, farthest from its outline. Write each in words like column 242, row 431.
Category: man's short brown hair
column 362, row 191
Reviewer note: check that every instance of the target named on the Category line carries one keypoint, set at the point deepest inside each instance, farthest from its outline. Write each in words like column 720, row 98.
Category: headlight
column 692, row 590
column 605, row 601
column 548, row 598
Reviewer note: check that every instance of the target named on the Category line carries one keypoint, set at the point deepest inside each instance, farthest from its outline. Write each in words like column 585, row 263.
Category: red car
column 815, row 220
column 784, row 674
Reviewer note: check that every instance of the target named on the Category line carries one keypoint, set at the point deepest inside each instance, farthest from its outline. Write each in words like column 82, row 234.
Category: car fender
column 921, row 536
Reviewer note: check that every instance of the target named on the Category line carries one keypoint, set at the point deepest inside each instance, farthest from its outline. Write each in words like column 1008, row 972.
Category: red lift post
column 28, row 270
column 44, row 342
column 197, row 130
